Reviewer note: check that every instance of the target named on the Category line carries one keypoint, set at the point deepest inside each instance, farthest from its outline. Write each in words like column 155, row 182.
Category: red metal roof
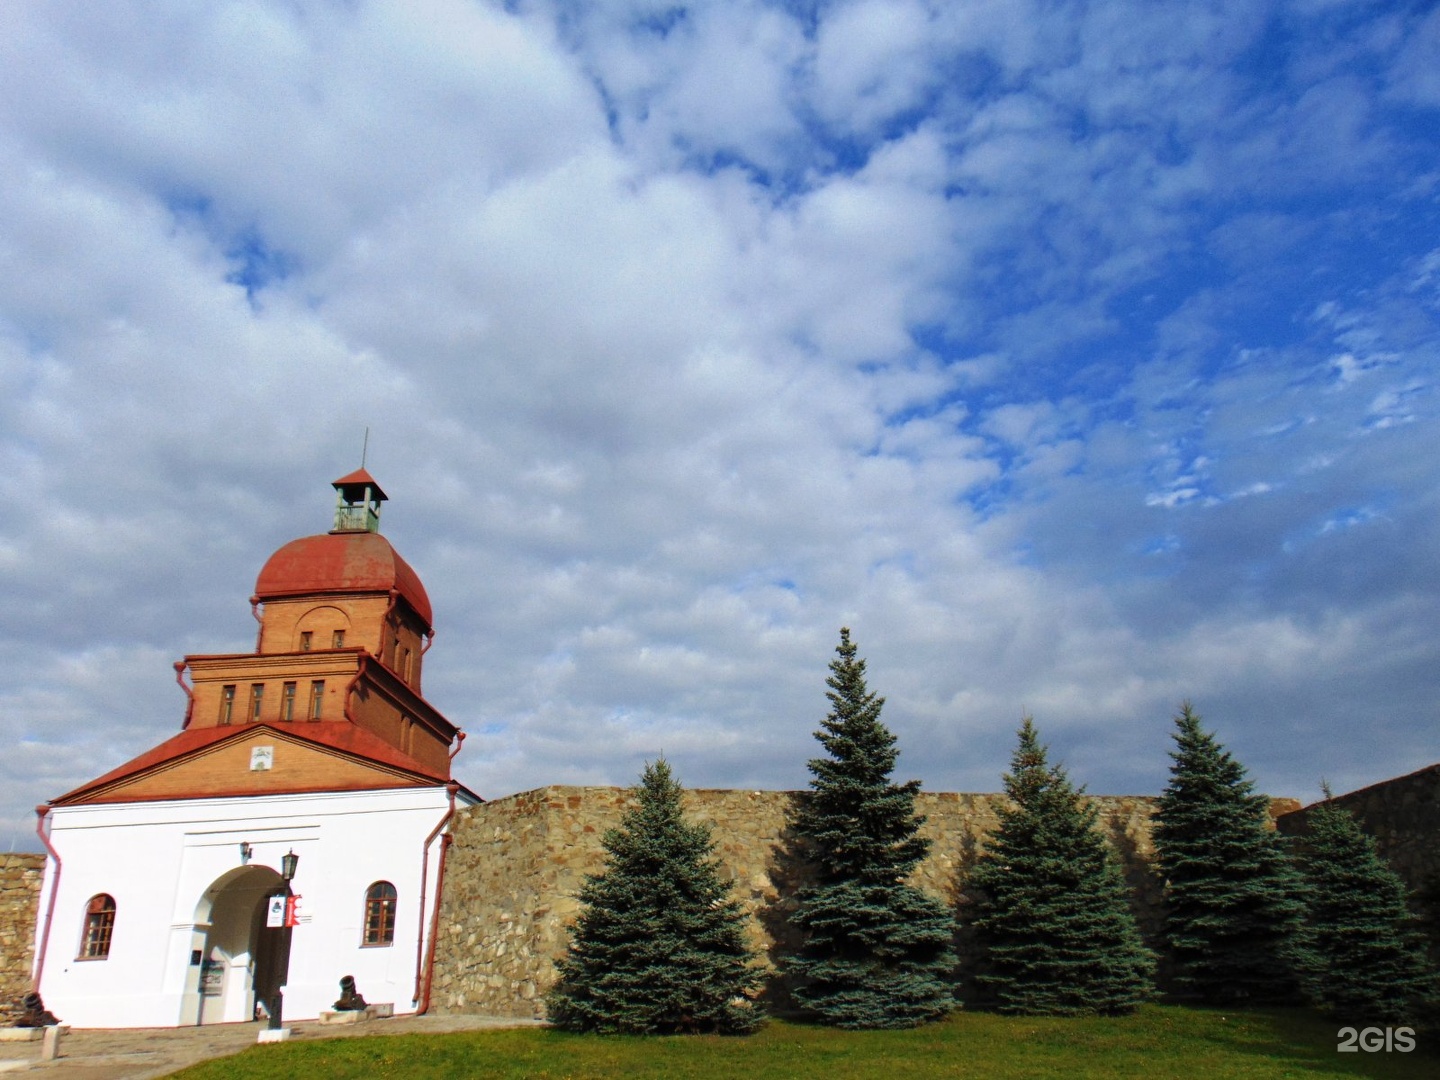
column 338, row 735
column 360, row 478
column 349, row 562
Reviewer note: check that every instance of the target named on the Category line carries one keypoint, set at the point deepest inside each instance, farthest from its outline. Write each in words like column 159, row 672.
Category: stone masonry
column 1403, row 815
column 517, row 863
column 20, row 877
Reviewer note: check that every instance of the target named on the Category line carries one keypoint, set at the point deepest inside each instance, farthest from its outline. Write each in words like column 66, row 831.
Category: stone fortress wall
column 1403, row 815
column 516, row 865
column 20, row 877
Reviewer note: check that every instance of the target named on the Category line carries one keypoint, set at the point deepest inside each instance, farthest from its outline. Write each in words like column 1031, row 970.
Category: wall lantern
column 245, row 850
column 288, row 863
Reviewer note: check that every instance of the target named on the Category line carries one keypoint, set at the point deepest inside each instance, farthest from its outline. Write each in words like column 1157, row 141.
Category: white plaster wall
column 158, row 859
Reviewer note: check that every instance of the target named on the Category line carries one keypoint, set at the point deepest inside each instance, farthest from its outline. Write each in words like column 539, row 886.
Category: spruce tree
column 1052, row 920
column 877, row 952
column 1364, row 962
column 660, row 945
column 1233, row 898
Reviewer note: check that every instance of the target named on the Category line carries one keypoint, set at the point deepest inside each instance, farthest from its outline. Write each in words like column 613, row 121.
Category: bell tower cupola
column 357, row 503
column 330, row 699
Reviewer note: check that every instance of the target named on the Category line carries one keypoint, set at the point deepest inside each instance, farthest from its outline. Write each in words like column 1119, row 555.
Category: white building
column 156, row 907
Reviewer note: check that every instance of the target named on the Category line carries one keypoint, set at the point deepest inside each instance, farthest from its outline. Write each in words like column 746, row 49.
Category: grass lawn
column 1156, row 1043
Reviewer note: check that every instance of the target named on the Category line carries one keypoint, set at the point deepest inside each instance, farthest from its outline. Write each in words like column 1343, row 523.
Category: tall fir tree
column 660, row 945
column 1364, row 961
column 1234, row 901
column 877, row 951
column 1052, row 919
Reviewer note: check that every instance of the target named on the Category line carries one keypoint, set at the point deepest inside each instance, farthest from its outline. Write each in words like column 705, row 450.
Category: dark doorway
column 272, row 953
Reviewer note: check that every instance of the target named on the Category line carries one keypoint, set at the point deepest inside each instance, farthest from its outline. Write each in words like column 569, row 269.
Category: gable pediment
column 260, row 759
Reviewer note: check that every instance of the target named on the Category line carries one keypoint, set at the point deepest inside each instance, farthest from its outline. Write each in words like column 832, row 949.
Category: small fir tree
column 877, row 952
column 1234, row 901
column 1364, row 961
column 659, row 946
column 1052, row 916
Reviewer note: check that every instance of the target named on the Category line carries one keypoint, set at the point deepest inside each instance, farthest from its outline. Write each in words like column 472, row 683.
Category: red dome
column 348, row 562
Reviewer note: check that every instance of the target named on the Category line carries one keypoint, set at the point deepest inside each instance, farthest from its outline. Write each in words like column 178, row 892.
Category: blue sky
column 1079, row 357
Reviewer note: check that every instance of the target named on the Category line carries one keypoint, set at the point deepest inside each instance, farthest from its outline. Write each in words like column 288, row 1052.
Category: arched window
column 99, row 925
column 380, row 914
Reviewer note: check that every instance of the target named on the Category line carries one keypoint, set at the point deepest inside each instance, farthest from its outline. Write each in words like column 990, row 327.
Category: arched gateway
column 241, row 961
column 320, row 744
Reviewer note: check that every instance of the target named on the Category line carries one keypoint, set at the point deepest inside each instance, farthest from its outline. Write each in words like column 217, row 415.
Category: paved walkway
column 146, row 1053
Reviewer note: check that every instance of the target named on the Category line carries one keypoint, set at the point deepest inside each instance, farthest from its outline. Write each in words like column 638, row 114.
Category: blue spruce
column 1052, row 916
column 1364, row 961
column 1233, row 898
column 877, row 951
column 660, row 945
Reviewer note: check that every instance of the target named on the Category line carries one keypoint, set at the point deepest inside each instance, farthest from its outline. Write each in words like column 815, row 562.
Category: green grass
column 1158, row 1042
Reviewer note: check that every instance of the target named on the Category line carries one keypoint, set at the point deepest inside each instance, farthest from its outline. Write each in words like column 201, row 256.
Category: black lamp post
column 288, row 864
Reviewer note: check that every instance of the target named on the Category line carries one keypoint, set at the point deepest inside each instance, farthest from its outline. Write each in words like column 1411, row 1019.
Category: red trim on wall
column 40, row 812
column 421, row 976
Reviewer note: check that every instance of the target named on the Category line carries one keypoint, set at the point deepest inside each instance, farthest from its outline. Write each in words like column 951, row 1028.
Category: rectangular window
column 227, row 703
column 305, row 638
column 257, row 700
column 337, row 639
column 317, row 698
column 287, row 702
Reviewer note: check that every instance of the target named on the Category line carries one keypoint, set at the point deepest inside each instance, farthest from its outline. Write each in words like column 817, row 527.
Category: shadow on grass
column 1308, row 1041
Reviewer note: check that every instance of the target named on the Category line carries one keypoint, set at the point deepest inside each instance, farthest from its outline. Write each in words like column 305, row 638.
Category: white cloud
column 676, row 356
column 1415, row 74
column 870, row 62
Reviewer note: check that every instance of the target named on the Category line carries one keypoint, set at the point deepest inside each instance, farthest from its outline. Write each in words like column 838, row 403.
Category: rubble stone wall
column 20, row 878
column 516, row 865
column 1403, row 815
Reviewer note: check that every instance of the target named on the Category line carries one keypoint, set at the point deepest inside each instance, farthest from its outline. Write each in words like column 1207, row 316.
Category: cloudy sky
column 1081, row 357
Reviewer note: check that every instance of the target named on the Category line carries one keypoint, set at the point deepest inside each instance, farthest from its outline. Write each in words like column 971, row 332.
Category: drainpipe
column 189, row 694
column 350, row 686
column 445, row 842
column 450, row 789
column 40, row 812
column 385, row 622
column 255, row 614
column 429, row 640
column 459, row 741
